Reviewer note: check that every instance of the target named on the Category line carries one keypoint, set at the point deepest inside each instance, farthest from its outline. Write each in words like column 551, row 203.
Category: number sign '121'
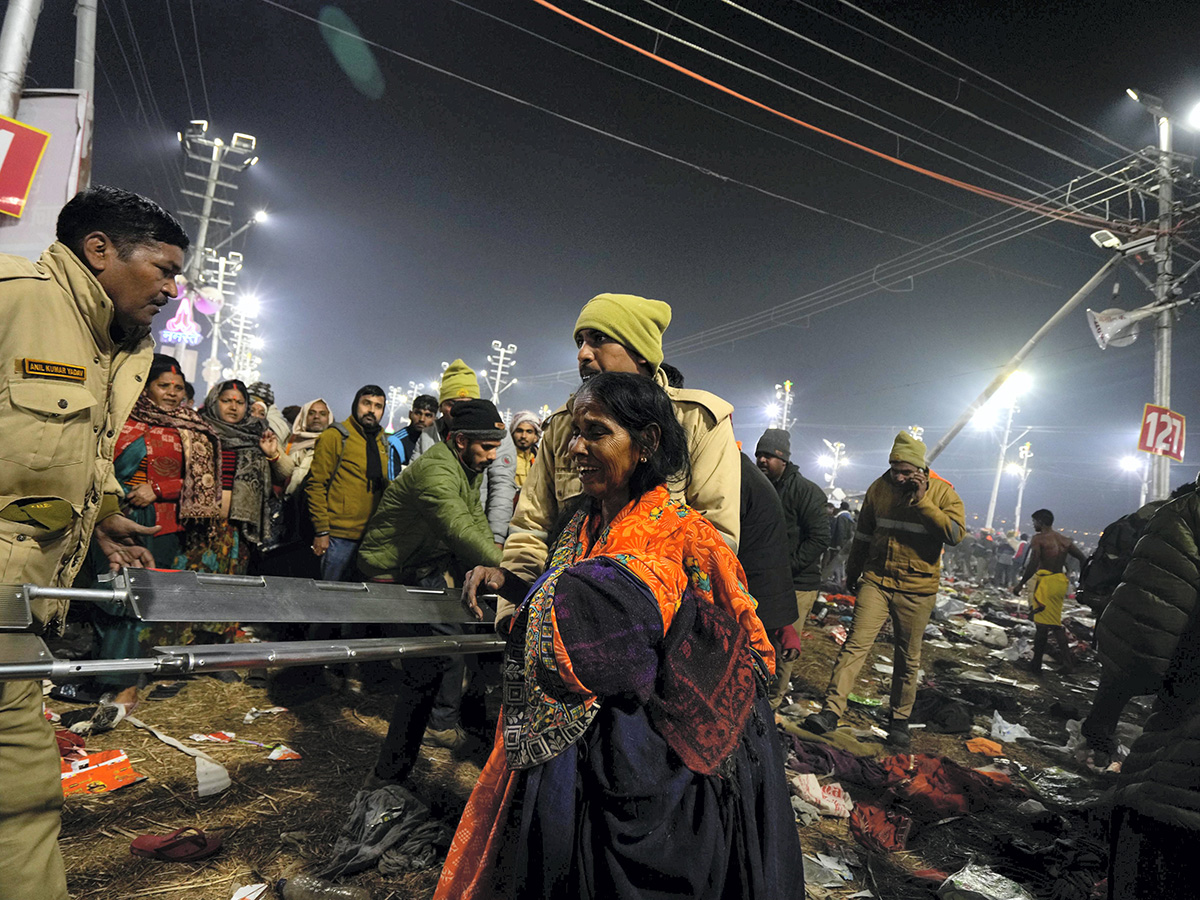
column 1162, row 432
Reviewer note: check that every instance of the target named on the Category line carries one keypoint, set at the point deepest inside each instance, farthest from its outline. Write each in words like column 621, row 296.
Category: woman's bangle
column 274, row 458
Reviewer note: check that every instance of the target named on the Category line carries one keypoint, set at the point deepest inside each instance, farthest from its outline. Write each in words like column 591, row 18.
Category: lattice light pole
column 395, row 397
column 1021, row 470
column 833, row 461
column 504, row 358
column 783, row 393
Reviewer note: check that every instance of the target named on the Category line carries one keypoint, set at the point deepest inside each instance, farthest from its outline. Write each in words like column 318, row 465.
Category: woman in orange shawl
column 636, row 754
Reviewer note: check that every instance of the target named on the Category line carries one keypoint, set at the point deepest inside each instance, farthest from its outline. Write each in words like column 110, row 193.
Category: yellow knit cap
column 458, row 383
column 908, row 449
column 635, row 322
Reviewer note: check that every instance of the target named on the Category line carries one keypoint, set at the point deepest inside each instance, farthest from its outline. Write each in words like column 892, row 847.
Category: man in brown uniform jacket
column 75, row 350
column 908, row 515
column 615, row 333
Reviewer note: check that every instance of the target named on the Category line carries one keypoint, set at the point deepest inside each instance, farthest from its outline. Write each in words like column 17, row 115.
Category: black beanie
column 775, row 442
column 478, row 417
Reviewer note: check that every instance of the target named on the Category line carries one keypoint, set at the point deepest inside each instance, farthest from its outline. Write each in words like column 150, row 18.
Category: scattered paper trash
column 984, row 746
column 98, row 773
column 839, row 634
column 865, row 701
column 283, row 751
column 973, row 882
column 250, row 892
column 211, row 777
column 1031, row 807
column 217, row 737
column 826, row 871
column 255, row 712
column 988, row 633
column 831, row 799
column 883, row 668
column 1007, row 731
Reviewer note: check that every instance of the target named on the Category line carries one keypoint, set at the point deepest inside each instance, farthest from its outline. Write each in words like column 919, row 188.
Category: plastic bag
column 974, row 882
column 1007, row 731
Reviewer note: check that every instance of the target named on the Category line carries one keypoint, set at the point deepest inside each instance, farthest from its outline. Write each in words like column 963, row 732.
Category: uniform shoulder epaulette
column 19, row 267
column 719, row 408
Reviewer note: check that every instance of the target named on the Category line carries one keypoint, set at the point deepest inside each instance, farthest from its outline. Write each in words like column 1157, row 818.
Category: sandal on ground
column 184, row 845
column 96, row 720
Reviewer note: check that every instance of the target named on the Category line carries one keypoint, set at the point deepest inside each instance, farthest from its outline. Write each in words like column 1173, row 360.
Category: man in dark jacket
column 430, row 528
column 807, row 533
column 1148, row 640
column 764, row 554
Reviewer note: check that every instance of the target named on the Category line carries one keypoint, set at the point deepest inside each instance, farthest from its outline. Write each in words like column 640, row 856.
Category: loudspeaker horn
column 1113, row 327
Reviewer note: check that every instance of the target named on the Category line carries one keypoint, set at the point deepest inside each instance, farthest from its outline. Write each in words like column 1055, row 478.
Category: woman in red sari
column 636, row 754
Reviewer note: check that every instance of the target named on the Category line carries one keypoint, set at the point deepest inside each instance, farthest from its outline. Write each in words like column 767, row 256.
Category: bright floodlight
column 260, row 216
column 1193, row 118
column 772, row 410
column 1014, row 469
column 1131, row 464
column 825, row 462
column 1133, row 95
column 1017, row 384
column 984, row 418
column 257, row 343
column 248, row 306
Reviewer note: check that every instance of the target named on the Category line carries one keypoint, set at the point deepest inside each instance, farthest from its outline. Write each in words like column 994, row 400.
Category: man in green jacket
column 807, row 534
column 908, row 515
column 430, row 528
column 347, row 478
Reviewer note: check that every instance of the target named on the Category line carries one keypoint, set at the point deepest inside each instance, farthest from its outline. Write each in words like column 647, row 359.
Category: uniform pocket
column 47, row 424
column 33, row 555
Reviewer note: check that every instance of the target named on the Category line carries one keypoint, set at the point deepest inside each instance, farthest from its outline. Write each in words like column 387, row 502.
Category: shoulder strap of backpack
column 342, row 430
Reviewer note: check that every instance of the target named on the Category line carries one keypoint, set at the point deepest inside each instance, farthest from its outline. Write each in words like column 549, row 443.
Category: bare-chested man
column 1047, row 555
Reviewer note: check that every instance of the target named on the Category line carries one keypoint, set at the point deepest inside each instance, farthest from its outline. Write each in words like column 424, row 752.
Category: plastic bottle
column 306, row 887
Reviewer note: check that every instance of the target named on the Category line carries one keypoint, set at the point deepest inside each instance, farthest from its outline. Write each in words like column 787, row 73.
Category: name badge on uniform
column 44, row 369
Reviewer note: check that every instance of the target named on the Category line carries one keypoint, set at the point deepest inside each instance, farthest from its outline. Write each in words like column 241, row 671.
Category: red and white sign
column 1163, row 432
column 21, row 149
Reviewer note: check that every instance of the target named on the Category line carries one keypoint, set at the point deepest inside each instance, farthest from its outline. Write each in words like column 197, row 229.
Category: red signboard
column 21, row 149
column 1162, row 432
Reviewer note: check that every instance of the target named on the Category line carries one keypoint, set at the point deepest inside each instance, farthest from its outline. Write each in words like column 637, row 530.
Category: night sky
column 415, row 217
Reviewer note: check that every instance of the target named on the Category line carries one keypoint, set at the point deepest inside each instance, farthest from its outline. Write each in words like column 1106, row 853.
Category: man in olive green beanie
column 615, row 333
column 634, row 324
column 894, row 565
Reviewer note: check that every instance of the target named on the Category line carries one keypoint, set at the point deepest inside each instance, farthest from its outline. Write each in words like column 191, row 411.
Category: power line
column 199, row 59
column 837, row 90
column 957, row 78
column 814, row 99
column 179, row 55
column 994, row 81
column 985, row 192
column 900, row 83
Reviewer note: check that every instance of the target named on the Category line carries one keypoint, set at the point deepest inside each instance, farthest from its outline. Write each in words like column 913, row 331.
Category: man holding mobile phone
column 894, row 567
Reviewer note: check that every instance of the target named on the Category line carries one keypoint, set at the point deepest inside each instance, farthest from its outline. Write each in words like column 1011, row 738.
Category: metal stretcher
column 150, row 595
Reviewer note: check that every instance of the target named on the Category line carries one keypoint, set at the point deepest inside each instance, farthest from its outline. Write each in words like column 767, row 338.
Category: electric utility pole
column 1160, row 466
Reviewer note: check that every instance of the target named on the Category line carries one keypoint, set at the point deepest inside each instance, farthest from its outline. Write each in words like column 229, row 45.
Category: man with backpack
column 346, row 480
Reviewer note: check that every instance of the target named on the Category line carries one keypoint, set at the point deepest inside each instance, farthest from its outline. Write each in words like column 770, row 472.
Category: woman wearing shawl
column 252, row 462
column 166, row 461
column 636, row 754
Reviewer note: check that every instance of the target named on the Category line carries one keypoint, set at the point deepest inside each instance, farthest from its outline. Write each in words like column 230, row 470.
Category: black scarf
column 375, row 480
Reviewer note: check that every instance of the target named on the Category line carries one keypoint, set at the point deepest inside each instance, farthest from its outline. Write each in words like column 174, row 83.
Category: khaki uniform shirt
column 65, row 391
column 898, row 543
column 714, row 489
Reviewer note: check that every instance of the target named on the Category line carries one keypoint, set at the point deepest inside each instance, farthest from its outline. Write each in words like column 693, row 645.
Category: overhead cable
column 818, row 100
column 983, row 75
column 1090, row 222
column 960, row 80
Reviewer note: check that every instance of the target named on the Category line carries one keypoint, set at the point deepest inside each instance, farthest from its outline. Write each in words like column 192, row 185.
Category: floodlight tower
column 504, row 359
column 205, row 157
column 1021, row 470
column 783, row 393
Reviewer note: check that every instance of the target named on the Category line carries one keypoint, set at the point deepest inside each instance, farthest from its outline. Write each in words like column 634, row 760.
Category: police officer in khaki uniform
column 615, row 333
column 75, row 350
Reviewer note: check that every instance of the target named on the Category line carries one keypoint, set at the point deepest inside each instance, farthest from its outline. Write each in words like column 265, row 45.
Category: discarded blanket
column 879, row 829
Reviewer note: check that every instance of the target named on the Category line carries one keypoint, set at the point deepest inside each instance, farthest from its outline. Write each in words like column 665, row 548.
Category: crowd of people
column 652, row 579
